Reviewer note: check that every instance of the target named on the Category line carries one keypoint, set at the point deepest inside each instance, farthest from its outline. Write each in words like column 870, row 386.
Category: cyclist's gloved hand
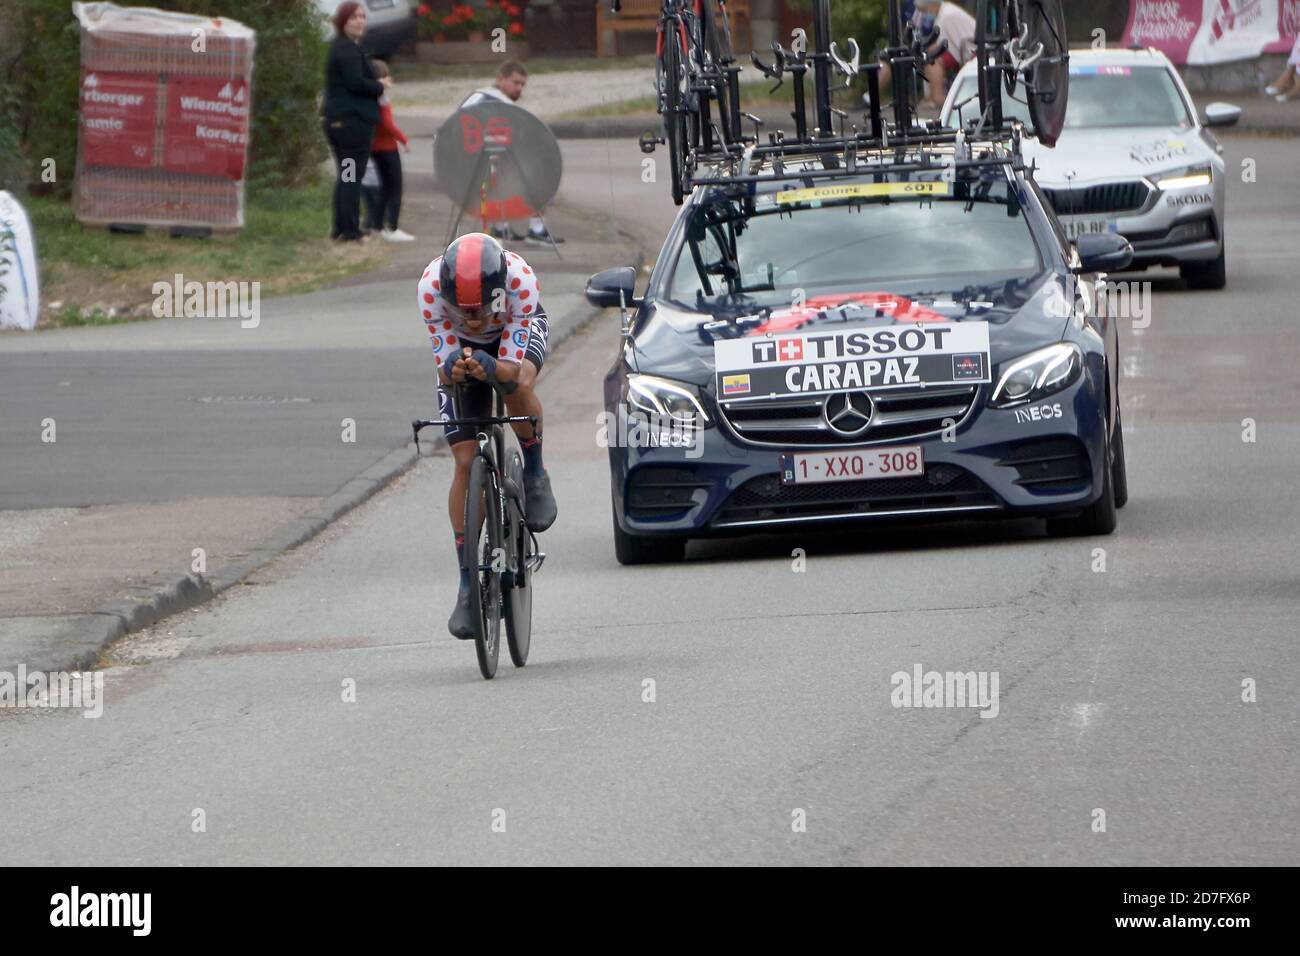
column 487, row 362
column 449, row 364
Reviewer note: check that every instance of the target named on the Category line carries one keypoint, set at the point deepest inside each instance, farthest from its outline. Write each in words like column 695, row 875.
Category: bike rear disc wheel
column 482, row 548
column 1048, row 83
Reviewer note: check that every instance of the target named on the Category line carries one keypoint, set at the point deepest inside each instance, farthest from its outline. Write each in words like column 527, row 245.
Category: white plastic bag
column 20, row 293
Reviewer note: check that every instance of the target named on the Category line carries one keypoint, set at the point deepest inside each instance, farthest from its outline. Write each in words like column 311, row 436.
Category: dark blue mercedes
column 917, row 341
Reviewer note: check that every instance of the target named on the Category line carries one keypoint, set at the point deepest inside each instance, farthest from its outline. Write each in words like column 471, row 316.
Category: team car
column 1134, row 159
column 913, row 342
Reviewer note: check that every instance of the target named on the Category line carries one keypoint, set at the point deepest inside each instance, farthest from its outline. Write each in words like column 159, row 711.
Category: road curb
column 83, row 642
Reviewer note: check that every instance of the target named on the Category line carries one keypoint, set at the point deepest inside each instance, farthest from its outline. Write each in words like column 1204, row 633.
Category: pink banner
column 1168, row 25
column 1200, row 32
column 1288, row 26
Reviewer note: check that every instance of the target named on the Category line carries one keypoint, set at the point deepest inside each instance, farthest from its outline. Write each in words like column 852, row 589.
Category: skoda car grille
column 1108, row 197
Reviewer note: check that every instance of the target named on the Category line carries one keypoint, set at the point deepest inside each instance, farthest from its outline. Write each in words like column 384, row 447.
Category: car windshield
column 1103, row 96
column 884, row 236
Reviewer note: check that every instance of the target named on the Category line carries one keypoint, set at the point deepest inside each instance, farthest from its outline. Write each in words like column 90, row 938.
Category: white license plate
column 1076, row 226
column 852, row 464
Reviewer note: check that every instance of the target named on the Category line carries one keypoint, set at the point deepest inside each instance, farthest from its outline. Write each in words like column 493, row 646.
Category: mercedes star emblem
column 849, row 413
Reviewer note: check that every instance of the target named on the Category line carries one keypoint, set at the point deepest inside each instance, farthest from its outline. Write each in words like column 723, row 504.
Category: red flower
column 423, row 10
column 517, row 28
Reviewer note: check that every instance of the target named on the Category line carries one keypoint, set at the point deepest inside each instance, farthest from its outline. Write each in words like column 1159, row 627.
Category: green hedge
column 41, row 84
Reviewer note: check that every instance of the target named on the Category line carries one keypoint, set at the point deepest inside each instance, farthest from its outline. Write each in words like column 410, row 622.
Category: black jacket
column 351, row 89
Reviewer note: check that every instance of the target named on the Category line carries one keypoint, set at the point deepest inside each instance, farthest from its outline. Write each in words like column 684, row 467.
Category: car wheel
column 1119, row 469
column 642, row 549
column 1098, row 518
column 1207, row 275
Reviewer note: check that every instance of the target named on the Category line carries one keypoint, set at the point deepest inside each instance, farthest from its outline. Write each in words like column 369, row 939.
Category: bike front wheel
column 674, row 107
column 484, row 555
column 991, row 33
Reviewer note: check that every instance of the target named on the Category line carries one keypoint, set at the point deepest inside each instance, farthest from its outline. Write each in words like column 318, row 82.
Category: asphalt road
column 1119, row 691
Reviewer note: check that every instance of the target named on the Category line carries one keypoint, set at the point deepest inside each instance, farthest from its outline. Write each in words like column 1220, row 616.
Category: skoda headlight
column 1186, row 178
column 665, row 399
column 1037, row 375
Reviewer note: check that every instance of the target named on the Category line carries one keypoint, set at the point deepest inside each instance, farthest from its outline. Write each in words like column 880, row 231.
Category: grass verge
column 94, row 277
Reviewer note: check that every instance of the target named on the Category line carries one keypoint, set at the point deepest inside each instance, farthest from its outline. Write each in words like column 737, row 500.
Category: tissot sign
column 1200, row 32
column 812, row 363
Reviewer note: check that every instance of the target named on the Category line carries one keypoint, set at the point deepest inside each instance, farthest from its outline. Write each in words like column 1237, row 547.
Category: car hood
column 677, row 343
column 1085, row 156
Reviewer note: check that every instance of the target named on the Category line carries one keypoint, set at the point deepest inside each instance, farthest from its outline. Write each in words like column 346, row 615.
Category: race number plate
column 1076, row 226
column 853, row 464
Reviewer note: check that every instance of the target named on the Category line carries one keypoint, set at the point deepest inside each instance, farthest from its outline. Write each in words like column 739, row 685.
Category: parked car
column 389, row 25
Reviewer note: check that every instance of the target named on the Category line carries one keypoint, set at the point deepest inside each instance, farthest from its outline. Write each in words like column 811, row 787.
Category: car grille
column 663, row 493
column 1053, row 464
column 898, row 416
column 942, row 488
column 1109, row 197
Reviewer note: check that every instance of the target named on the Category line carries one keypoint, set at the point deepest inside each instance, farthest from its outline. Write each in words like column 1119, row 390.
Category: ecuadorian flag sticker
column 735, row 384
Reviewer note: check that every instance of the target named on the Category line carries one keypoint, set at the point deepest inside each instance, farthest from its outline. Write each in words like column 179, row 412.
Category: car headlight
column 1186, row 178
column 1037, row 375
column 666, row 399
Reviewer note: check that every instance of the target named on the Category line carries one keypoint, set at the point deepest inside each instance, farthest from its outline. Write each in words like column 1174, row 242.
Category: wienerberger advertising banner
column 1203, row 32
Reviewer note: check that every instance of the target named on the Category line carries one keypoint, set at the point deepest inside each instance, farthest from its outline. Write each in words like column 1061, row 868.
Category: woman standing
column 351, row 110
column 1287, row 86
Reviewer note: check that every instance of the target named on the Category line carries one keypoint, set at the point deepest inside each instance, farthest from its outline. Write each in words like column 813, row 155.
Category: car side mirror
column 1222, row 114
column 1103, row 252
column 612, row 288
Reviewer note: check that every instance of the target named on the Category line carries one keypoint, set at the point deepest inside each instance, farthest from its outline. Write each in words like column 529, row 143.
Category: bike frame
column 493, row 447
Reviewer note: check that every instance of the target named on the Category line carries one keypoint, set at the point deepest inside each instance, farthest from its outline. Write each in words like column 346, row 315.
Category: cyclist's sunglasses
column 471, row 313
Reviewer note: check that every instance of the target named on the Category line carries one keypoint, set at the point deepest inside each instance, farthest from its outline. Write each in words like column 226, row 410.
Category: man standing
column 955, row 26
column 508, row 87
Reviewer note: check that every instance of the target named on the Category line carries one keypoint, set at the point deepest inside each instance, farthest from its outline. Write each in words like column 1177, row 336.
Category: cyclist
column 486, row 324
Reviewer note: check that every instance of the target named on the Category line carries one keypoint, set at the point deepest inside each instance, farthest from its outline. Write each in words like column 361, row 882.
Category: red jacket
column 387, row 132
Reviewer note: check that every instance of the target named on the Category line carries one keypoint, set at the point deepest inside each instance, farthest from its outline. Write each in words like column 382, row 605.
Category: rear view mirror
column 1103, row 252
column 612, row 288
column 1222, row 114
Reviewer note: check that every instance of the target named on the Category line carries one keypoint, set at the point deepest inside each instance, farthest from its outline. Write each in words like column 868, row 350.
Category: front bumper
column 1000, row 465
column 1171, row 227
column 1190, row 239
